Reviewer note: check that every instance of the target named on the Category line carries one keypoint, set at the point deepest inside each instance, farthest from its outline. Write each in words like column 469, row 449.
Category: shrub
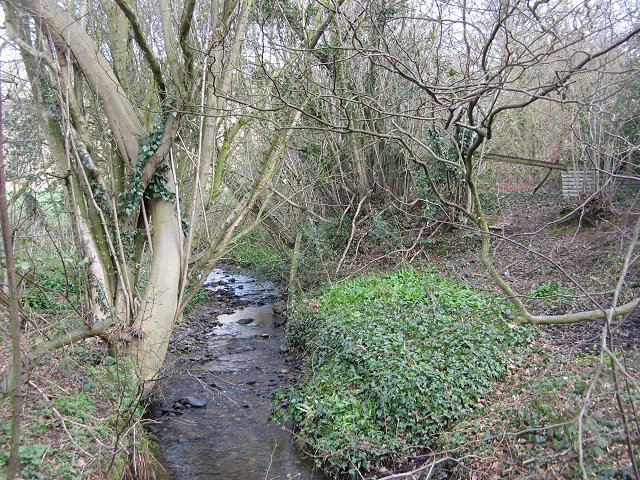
column 257, row 251
column 393, row 360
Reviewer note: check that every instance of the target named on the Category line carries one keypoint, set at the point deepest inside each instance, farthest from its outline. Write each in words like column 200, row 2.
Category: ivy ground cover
column 392, row 361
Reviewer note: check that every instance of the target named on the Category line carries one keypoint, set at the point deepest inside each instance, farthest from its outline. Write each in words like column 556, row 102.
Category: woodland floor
column 531, row 246
column 585, row 256
column 535, row 250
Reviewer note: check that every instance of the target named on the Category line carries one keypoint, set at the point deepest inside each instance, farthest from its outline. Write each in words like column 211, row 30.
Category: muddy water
column 231, row 357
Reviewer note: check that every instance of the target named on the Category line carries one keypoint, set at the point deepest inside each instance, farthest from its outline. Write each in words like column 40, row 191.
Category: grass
column 393, row 360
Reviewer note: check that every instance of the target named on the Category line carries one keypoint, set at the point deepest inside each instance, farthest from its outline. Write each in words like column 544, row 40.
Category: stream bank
column 223, row 366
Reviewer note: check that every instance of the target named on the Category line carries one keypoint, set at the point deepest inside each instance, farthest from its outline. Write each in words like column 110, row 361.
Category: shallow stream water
column 234, row 362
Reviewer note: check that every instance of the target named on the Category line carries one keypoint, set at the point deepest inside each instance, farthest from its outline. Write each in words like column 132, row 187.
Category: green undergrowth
column 256, row 250
column 47, row 284
column 79, row 419
column 393, row 360
column 200, row 297
column 550, row 297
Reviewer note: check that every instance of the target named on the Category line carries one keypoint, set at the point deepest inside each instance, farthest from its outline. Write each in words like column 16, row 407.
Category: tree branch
column 123, row 121
column 149, row 56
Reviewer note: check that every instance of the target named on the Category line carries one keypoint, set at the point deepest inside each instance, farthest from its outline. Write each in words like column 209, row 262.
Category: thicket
column 393, row 360
column 84, row 404
column 258, row 251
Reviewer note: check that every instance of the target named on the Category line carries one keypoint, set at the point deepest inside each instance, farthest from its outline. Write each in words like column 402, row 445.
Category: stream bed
column 223, row 366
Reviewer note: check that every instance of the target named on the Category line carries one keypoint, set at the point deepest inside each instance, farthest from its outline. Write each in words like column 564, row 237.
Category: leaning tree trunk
column 155, row 318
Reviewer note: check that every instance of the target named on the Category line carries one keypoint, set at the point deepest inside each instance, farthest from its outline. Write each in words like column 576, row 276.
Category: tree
column 143, row 107
column 454, row 70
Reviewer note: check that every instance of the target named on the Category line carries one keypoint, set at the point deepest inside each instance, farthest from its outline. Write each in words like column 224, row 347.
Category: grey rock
column 279, row 307
column 194, row 402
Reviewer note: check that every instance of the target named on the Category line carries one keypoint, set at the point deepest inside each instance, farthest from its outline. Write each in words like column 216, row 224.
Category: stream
column 223, row 366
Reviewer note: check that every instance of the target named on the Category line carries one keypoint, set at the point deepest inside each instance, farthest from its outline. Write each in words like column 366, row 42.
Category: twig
column 429, row 466
column 266, row 475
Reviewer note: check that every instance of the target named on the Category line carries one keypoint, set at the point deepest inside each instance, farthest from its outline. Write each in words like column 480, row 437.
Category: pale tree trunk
column 126, row 188
column 155, row 318
column 124, row 123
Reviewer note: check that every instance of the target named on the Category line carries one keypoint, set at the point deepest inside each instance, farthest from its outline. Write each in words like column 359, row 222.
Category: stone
column 246, row 321
column 194, row 402
column 279, row 307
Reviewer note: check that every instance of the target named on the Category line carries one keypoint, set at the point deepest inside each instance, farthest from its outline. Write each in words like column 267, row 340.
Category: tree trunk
column 156, row 316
